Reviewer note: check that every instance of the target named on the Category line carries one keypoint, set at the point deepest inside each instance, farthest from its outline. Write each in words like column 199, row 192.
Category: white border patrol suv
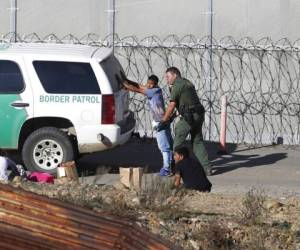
column 59, row 100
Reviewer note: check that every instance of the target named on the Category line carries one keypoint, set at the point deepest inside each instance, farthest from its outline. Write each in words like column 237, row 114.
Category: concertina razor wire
column 260, row 79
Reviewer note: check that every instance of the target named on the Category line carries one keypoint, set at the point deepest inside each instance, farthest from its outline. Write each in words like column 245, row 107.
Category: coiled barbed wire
column 260, row 79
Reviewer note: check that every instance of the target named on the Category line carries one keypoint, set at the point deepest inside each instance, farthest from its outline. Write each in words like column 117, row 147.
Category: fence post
column 111, row 23
column 223, row 128
column 13, row 20
column 210, row 42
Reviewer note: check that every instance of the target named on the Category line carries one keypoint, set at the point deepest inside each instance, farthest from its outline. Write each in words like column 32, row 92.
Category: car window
column 112, row 68
column 11, row 80
column 67, row 77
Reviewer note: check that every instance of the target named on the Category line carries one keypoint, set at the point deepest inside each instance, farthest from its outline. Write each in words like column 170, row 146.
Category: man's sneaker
column 170, row 174
column 164, row 172
column 208, row 171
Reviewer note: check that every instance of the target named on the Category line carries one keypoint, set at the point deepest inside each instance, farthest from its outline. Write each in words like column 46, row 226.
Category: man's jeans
column 165, row 144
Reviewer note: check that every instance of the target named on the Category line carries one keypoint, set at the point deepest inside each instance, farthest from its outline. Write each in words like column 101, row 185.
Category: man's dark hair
column 184, row 151
column 154, row 78
column 174, row 70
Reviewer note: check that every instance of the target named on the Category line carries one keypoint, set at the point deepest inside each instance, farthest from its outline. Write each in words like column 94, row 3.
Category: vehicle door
column 16, row 102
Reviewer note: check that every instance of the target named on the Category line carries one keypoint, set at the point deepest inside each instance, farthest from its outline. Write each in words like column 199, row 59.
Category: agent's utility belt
column 187, row 112
column 198, row 108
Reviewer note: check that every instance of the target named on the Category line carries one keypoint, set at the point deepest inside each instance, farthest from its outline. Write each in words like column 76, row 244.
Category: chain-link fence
column 260, row 80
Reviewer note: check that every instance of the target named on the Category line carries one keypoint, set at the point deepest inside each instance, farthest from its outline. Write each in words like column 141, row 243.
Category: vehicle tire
column 45, row 148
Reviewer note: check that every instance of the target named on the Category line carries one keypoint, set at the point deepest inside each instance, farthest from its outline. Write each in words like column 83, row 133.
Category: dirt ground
column 190, row 219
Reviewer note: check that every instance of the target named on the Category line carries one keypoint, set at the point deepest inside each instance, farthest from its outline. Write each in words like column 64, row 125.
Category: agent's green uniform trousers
column 183, row 129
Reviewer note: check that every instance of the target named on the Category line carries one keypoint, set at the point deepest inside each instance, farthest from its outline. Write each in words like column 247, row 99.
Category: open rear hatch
column 123, row 116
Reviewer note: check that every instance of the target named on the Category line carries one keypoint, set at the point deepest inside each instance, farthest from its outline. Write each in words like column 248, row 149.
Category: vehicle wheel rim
column 47, row 154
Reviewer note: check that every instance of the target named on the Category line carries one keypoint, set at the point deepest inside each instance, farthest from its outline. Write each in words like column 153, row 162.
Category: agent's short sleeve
column 175, row 92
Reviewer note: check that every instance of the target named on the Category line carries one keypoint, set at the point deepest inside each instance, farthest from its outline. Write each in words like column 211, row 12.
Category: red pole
column 223, row 125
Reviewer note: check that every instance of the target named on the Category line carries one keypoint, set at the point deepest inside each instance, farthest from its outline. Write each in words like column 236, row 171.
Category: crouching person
column 190, row 171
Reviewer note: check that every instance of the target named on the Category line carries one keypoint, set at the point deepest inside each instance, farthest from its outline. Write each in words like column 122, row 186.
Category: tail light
column 108, row 109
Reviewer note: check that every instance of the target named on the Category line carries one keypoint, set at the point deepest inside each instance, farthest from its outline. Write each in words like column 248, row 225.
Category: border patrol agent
column 185, row 99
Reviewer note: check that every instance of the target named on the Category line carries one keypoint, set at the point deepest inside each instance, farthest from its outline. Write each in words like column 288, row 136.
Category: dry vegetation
column 190, row 219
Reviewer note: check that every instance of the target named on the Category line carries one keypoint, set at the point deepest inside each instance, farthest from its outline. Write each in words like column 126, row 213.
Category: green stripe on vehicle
column 11, row 121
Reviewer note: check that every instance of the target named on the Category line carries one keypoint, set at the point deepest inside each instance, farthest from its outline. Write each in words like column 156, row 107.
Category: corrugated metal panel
column 30, row 221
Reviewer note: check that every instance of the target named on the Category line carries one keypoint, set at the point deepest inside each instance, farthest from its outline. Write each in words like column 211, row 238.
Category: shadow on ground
column 135, row 153
column 235, row 161
column 144, row 153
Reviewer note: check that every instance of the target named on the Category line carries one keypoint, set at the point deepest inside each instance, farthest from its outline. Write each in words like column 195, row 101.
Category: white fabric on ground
column 5, row 164
column 3, row 169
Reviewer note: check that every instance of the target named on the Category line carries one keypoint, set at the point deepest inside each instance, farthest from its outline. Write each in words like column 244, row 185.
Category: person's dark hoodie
column 193, row 175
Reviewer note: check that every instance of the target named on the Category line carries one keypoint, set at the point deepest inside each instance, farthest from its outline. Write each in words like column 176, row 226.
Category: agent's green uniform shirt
column 184, row 93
